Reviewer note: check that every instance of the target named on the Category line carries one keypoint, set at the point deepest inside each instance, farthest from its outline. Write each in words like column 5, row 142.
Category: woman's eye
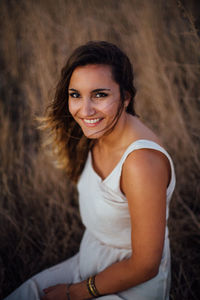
column 100, row 95
column 74, row 95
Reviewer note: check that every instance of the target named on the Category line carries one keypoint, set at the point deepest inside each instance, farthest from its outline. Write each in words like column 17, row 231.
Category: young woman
column 125, row 181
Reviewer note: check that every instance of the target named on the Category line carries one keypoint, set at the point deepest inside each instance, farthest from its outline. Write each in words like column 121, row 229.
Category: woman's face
column 94, row 99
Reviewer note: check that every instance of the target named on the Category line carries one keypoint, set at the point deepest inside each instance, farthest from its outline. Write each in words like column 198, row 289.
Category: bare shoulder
column 146, row 158
column 145, row 166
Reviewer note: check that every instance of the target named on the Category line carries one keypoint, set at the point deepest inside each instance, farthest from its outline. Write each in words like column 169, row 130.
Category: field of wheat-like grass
column 39, row 218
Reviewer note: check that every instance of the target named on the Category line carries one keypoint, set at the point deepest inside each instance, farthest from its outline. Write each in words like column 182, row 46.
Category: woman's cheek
column 110, row 105
column 73, row 108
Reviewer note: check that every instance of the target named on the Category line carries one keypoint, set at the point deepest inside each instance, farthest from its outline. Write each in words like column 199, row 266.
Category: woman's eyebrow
column 93, row 91
column 103, row 89
column 73, row 90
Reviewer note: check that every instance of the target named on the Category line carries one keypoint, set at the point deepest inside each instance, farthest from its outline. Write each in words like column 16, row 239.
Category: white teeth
column 91, row 121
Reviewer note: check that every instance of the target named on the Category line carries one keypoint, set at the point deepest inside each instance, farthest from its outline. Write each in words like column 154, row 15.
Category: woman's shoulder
column 146, row 156
column 145, row 165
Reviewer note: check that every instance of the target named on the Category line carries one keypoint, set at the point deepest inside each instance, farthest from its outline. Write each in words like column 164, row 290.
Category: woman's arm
column 144, row 180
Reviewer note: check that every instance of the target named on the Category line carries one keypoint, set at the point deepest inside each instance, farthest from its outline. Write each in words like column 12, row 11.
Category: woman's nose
column 87, row 108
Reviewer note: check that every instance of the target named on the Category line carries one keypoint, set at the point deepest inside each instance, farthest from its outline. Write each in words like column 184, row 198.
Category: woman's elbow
column 146, row 269
column 151, row 271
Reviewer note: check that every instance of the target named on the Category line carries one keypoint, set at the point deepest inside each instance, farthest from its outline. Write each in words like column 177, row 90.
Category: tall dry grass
column 39, row 219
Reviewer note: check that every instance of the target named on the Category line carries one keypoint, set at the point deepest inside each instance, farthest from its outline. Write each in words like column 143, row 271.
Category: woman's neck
column 118, row 137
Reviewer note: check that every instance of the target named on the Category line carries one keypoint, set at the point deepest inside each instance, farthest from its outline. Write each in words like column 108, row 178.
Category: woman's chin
column 93, row 135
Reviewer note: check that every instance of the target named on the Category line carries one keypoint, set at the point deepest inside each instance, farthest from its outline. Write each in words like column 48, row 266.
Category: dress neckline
column 115, row 167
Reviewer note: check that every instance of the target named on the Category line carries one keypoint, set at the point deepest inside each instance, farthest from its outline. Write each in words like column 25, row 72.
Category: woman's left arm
column 144, row 181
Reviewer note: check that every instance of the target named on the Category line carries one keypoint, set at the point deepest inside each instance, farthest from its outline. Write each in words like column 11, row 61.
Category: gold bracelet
column 88, row 286
column 92, row 287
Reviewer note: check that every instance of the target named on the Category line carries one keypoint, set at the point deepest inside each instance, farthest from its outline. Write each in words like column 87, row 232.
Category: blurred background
column 39, row 218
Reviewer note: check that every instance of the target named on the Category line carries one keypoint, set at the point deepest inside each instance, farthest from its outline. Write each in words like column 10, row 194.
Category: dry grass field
column 39, row 217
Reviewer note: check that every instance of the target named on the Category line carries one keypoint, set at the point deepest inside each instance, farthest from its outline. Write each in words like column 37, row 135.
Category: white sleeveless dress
column 107, row 238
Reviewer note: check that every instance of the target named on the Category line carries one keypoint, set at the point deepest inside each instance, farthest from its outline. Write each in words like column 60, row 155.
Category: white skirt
column 92, row 258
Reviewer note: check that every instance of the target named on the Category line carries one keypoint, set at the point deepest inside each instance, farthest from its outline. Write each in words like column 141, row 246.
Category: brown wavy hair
column 69, row 143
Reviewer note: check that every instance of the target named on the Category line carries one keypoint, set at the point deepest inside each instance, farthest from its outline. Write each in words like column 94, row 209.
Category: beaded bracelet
column 68, row 292
column 92, row 287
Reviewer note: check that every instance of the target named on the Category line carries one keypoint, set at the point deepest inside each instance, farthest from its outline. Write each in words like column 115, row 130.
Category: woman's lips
column 92, row 122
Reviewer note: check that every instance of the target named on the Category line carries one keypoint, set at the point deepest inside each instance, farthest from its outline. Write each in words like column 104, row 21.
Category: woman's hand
column 78, row 291
column 55, row 292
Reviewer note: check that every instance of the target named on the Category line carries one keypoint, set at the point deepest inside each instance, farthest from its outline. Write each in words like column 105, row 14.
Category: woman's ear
column 127, row 99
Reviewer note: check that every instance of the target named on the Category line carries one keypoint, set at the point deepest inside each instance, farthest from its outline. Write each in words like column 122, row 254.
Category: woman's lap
column 64, row 272
column 68, row 272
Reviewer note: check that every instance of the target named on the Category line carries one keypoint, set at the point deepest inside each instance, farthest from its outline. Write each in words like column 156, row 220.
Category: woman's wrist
column 79, row 291
column 83, row 290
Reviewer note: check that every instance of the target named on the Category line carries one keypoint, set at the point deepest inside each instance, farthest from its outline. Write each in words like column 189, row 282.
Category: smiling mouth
column 92, row 122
